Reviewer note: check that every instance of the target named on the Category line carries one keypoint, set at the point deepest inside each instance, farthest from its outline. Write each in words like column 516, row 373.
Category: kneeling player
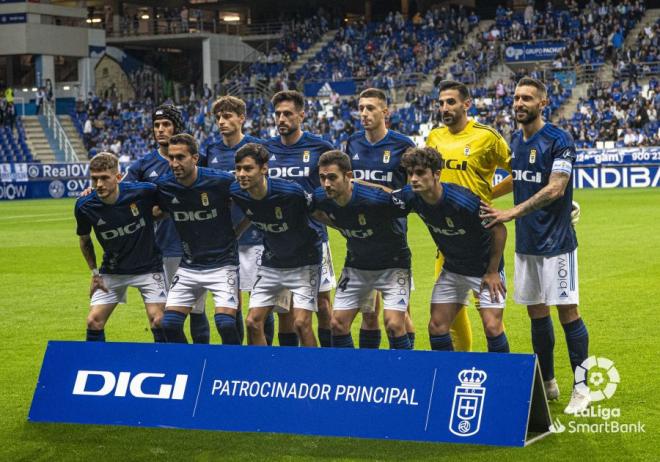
column 378, row 257
column 292, row 248
column 121, row 216
column 473, row 254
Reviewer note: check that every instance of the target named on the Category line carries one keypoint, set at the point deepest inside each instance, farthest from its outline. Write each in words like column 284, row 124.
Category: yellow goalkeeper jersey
column 471, row 156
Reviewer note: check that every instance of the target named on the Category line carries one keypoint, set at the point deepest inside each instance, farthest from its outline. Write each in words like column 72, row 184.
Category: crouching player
column 121, row 216
column 292, row 248
column 377, row 258
column 473, row 254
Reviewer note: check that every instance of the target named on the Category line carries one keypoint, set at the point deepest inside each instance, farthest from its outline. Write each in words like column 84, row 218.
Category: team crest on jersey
column 532, row 156
column 466, row 151
column 278, row 213
column 386, row 157
column 306, row 156
column 361, row 219
column 134, row 210
column 205, row 199
column 450, row 222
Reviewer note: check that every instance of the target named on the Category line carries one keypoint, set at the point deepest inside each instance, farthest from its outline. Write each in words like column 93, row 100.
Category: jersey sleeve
column 563, row 155
column 134, row 172
column 400, row 202
column 83, row 225
column 502, row 153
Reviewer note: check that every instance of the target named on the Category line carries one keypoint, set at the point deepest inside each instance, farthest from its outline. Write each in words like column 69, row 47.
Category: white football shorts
column 272, row 283
column 189, row 285
column 547, row 280
column 356, row 289
column 151, row 286
column 456, row 288
column 328, row 281
column 249, row 257
column 170, row 265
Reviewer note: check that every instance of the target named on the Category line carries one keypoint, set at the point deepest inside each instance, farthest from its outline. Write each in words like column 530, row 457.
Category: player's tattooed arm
column 87, row 249
column 242, row 226
column 551, row 192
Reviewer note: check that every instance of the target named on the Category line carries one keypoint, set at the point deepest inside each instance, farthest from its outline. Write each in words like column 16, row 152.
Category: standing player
column 121, row 216
column 375, row 154
column 473, row 254
column 292, row 246
column 198, row 201
column 294, row 155
column 546, row 271
column 168, row 121
column 229, row 113
column 377, row 258
column 471, row 152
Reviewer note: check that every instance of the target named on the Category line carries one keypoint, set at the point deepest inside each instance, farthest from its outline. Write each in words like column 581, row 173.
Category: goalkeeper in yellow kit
column 471, row 152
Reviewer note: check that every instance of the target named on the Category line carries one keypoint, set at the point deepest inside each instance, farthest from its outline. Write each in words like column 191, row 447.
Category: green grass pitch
column 43, row 296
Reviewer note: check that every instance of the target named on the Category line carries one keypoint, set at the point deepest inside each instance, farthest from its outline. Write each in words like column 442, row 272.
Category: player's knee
column 568, row 313
column 155, row 320
column 253, row 324
column 493, row 327
column 95, row 322
column 538, row 311
column 302, row 324
column 339, row 326
column 395, row 326
column 370, row 321
column 438, row 327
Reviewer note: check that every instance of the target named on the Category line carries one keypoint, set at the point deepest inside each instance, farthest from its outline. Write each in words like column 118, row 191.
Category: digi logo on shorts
column 103, row 383
column 372, row 175
column 123, row 230
column 194, row 215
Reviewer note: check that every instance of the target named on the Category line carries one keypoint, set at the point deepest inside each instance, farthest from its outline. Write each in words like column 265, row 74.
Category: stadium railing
column 59, row 134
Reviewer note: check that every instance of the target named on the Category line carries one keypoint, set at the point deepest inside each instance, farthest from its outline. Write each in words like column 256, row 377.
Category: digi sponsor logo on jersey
column 103, row 383
column 194, row 215
column 288, row 172
column 455, row 164
column 357, row 233
column 446, row 231
column 527, row 176
column 271, row 227
column 372, row 175
column 123, row 230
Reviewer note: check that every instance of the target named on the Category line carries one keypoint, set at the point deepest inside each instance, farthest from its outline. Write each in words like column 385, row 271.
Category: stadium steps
column 568, row 108
column 649, row 18
column 73, row 135
column 37, row 140
column 426, row 85
column 312, row 51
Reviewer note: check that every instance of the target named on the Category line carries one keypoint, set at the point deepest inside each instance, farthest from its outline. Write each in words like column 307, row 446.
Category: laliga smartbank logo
column 104, row 383
column 597, row 378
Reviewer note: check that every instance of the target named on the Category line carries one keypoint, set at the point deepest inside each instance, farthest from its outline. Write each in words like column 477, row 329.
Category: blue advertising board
column 542, row 50
column 477, row 398
column 605, row 177
column 13, row 18
column 344, row 87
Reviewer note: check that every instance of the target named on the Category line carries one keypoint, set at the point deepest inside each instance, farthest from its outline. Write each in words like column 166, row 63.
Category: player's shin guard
column 95, row 335
column 577, row 340
column 159, row 335
column 325, row 337
column 172, row 325
column 199, row 328
column 461, row 331
column 370, row 338
column 441, row 342
column 498, row 344
column 400, row 343
column 240, row 326
column 543, row 341
column 226, row 325
column 343, row 341
column 288, row 339
column 269, row 328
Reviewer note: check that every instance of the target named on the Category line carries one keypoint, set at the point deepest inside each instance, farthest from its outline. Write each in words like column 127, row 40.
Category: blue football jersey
column 202, row 218
column 547, row 231
column 219, row 156
column 282, row 216
column 299, row 162
column 380, row 162
column 376, row 238
column 150, row 168
column 124, row 229
column 455, row 226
